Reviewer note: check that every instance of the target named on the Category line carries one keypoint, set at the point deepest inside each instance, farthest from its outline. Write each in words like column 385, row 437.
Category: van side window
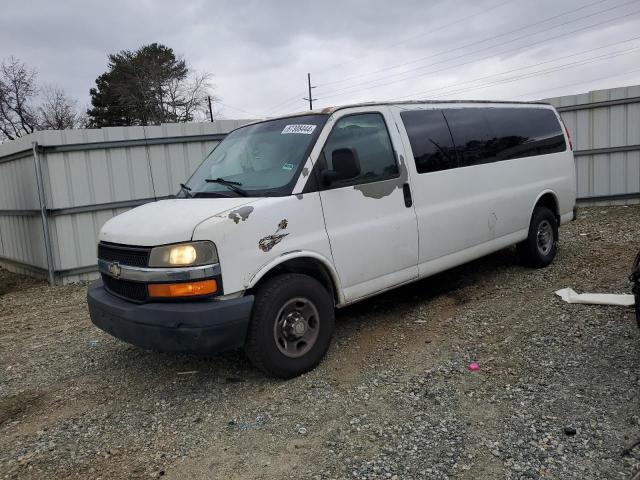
column 485, row 135
column 367, row 136
column 523, row 132
column 472, row 135
column 430, row 140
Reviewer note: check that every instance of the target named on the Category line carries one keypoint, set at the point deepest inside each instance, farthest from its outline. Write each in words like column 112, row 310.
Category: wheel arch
column 549, row 199
column 308, row 263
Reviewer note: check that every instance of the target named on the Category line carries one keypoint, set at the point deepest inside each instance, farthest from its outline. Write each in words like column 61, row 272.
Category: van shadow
column 451, row 283
column 233, row 366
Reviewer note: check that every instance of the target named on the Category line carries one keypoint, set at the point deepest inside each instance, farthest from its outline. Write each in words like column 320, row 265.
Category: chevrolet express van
column 289, row 218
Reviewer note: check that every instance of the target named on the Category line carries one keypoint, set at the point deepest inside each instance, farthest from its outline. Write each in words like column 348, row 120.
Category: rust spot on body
column 240, row 214
column 267, row 243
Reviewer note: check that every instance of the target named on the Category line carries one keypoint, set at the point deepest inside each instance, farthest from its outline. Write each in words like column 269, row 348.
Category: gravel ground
column 557, row 394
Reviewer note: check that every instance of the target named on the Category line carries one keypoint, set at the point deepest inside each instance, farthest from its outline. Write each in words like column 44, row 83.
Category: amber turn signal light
column 188, row 289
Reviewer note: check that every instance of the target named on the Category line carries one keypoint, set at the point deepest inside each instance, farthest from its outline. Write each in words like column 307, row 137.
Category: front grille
column 124, row 288
column 124, row 254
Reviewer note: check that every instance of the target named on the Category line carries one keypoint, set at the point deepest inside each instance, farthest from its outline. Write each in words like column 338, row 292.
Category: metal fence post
column 44, row 214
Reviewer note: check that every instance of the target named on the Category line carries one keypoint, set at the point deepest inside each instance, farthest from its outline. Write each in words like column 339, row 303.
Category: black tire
column 539, row 249
column 271, row 344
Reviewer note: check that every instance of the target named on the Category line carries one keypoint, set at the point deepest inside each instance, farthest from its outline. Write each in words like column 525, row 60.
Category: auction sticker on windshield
column 303, row 129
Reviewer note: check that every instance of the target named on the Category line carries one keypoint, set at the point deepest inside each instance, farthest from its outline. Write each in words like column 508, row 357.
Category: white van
column 288, row 218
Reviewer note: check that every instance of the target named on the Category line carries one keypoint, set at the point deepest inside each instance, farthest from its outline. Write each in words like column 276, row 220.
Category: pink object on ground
column 474, row 367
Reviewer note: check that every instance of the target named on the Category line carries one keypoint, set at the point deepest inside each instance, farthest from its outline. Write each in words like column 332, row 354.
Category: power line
column 548, row 19
column 238, row 109
column 362, row 86
column 423, row 34
column 536, row 43
column 351, row 89
column 541, row 72
column 430, row 32
column 291, row 103
column 153, row 103
column 629, row 72
column 284, row 102
column 424, row 92
column 526, row 75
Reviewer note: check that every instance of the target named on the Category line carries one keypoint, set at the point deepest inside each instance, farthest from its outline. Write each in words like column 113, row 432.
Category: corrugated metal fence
column 88, row 176
column 57, row 188
column 605, row 129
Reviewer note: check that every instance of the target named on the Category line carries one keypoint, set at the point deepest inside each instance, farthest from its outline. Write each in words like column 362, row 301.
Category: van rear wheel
column 541, row 246
column 291, row 325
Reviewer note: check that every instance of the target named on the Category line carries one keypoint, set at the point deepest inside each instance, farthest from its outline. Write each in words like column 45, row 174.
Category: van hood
column 166, row 221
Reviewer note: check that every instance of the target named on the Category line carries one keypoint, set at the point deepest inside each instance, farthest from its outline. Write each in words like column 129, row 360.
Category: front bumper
column 205, row 326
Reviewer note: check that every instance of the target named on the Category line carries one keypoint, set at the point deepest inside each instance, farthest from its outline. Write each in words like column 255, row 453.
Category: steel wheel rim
column 296, row 328
column 544, row 237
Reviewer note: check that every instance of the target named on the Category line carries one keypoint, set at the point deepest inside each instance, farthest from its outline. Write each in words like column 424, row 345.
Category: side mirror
column 345, row 165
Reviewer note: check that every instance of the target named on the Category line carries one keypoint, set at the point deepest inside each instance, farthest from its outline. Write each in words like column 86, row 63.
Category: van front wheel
column 291, row 325
column 540, row 247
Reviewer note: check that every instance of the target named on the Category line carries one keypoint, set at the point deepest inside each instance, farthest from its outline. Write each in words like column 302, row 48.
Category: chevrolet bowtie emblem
column 114, row 269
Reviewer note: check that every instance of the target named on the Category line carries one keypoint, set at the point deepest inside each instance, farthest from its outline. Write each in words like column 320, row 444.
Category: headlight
column 184, row 255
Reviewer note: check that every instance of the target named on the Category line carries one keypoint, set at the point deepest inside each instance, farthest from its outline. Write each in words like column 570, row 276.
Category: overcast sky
column 260, row 51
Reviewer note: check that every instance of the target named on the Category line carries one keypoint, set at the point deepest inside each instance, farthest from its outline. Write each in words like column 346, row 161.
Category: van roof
column 406, row 102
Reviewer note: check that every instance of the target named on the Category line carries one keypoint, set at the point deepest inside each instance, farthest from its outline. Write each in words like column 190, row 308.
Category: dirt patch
column 12, row 408
column 10, row 282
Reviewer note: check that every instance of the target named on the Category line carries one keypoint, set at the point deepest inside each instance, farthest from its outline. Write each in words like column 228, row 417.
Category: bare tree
column 17, row 91
column 188, row 100
column 20, row 114
column 57, row 111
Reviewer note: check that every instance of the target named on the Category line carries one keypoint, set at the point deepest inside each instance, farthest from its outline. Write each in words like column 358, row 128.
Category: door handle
column 406, row 190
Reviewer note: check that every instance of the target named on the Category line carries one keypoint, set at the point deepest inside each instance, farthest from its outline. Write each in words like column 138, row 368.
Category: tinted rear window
column 430, row 140
column 523, row 132
column 483, row 135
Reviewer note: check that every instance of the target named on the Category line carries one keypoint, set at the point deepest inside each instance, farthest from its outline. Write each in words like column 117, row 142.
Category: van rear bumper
column 208, row 326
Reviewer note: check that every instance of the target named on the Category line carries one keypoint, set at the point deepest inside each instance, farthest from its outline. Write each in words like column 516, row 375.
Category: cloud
column 356, row 50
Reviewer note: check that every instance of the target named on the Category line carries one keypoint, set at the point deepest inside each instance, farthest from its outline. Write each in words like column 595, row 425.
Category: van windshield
column 263, row 159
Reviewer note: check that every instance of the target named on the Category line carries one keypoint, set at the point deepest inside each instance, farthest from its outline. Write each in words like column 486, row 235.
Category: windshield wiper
column 187, row 190
column 235, row 186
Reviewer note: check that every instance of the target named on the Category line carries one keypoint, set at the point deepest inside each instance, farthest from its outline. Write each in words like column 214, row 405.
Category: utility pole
column 310, row 99
column 210, row 111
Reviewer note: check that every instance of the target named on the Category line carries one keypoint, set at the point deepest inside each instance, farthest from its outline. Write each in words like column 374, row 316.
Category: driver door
column 370, row 219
